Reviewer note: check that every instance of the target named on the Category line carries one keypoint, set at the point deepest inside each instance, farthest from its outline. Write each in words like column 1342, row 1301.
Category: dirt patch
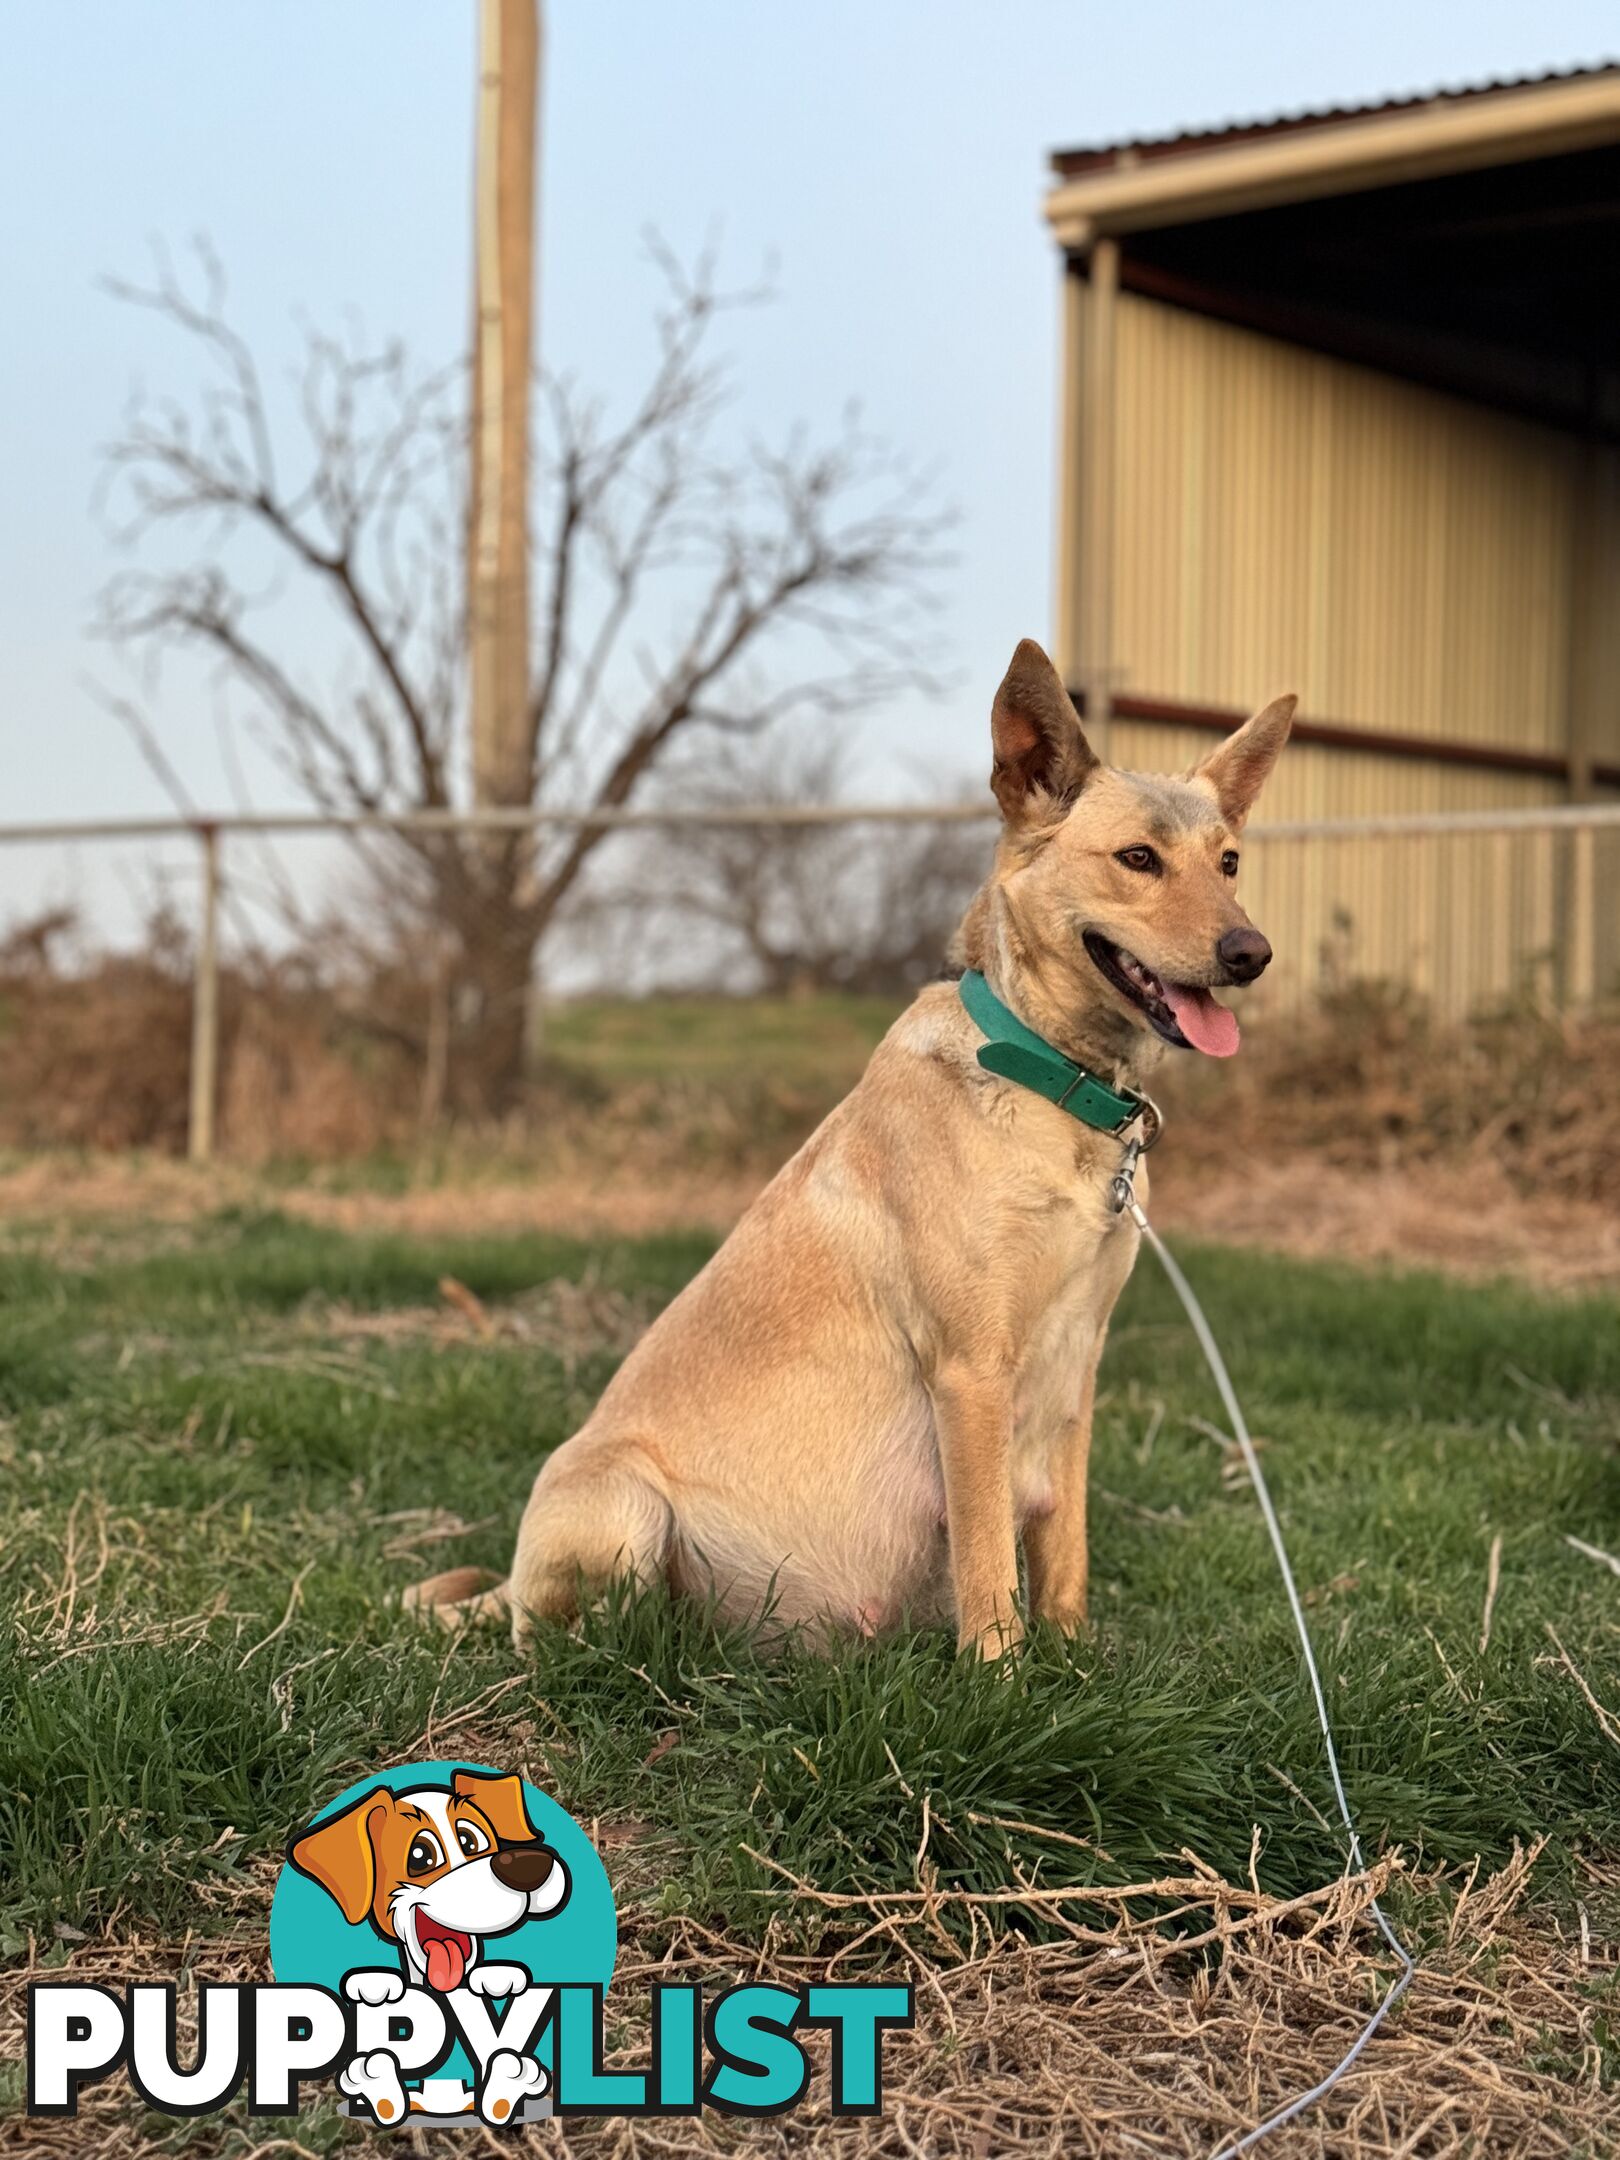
column 1112, row 2037
column 85, row 1187
column 635, row 1202
column 1467, row 1221
column 1470, row 1223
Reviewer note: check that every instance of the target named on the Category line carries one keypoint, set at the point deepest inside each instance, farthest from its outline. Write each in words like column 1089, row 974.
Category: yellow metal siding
column 1468, row 922
column 1400, row 557
column 1411, row 564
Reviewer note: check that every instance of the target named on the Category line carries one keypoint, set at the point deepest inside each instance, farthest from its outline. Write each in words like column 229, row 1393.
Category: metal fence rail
column 1569, row 817
column 1464, row 910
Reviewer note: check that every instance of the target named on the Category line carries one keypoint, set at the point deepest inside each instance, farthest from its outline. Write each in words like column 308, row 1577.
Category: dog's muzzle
column 522, row 1867
column 1244, row 954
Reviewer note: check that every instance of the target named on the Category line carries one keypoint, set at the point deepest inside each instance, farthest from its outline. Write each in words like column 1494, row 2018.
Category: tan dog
column 886, row 1373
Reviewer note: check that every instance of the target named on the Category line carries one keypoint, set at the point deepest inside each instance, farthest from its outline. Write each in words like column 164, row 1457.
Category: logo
column 434, row 1899
column 442, row 1938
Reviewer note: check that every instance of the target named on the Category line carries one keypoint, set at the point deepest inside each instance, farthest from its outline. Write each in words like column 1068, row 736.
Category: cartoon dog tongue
column 1208, row 1026
column 446, row 1962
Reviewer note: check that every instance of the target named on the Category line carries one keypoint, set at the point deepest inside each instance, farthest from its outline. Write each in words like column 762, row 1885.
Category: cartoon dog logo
column 437, row 1871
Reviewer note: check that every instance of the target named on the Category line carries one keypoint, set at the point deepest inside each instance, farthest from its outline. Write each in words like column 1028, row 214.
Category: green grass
column 189, row 1449
column 810, row 1042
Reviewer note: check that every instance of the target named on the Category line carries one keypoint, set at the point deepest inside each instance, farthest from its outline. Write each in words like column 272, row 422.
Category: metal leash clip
column 1122, row 1186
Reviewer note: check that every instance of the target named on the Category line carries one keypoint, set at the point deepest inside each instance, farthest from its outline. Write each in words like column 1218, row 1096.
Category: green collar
column 1015, row 1052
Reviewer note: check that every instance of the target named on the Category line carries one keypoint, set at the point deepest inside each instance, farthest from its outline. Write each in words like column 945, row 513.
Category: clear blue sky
column 889, row 153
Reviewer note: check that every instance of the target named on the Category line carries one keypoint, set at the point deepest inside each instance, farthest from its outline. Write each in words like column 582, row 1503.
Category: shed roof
column 1146, row 185
column 1465, row 239
column 1090, row 157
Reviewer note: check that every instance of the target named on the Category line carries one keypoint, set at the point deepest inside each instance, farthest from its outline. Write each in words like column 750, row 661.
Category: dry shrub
column 1369, row 1081
column 290, row 1090
column 324, row 1058
column 94, row 1053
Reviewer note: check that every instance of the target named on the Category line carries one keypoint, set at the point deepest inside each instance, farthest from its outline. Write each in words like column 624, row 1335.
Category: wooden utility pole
column 503, row 348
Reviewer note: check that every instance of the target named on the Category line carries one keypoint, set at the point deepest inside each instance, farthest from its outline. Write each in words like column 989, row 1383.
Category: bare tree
column 682, row 593
column 784, row 908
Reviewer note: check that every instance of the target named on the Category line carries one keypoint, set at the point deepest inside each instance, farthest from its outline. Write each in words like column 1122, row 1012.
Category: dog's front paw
column 993, row 1640
column 497, row 1980
column 510, row 2080
column 374, row 1988
column 374, row 2078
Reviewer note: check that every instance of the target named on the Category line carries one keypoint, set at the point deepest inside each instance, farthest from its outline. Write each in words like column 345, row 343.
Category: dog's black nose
column 522, row 1867
column 1244, row 954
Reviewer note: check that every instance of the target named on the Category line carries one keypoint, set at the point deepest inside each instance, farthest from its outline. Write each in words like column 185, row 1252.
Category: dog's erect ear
column 1042, row 758
column 340, row 1856
column 501, row 1799
column 1236, row 770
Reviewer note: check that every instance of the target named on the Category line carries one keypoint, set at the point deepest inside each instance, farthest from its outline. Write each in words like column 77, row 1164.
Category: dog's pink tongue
column 1208, row 1026
column 445, row 1964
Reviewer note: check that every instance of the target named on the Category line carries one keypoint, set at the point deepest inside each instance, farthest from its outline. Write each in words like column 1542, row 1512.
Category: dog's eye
column 1139, row 858
column 471, row 1839
column 1229, row 862
column 425, row 1854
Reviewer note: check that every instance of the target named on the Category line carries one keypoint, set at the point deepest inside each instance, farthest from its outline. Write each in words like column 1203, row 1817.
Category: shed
column 1341, row 411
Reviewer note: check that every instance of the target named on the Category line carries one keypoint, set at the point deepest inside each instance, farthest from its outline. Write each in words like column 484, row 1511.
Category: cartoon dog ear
column 340, row 1856
column 501, row 1799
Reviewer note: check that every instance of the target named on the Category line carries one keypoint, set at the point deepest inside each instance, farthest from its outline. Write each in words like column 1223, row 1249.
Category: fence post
column 205, row 1006
column 1582, row 977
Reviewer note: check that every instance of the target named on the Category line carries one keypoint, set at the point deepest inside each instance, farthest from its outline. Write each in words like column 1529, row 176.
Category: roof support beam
column 1071, row 364
column 1094, row 587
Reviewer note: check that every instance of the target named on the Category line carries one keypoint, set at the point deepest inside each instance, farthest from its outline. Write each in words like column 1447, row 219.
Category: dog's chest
column 1075, row 1269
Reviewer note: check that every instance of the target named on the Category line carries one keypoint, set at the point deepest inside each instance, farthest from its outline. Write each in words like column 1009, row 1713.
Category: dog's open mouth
column 447, row 1952
column 1183, row 1013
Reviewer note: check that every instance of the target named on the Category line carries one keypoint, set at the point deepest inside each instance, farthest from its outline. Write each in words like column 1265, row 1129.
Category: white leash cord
column 1251, row 1462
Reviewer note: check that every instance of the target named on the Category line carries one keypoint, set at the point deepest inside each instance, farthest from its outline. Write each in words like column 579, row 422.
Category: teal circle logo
column 445, row 1899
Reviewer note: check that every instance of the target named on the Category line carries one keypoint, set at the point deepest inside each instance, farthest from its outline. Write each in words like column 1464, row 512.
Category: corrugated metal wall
column 1403, row 558
column 1467, row 922
column 1406, row 561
